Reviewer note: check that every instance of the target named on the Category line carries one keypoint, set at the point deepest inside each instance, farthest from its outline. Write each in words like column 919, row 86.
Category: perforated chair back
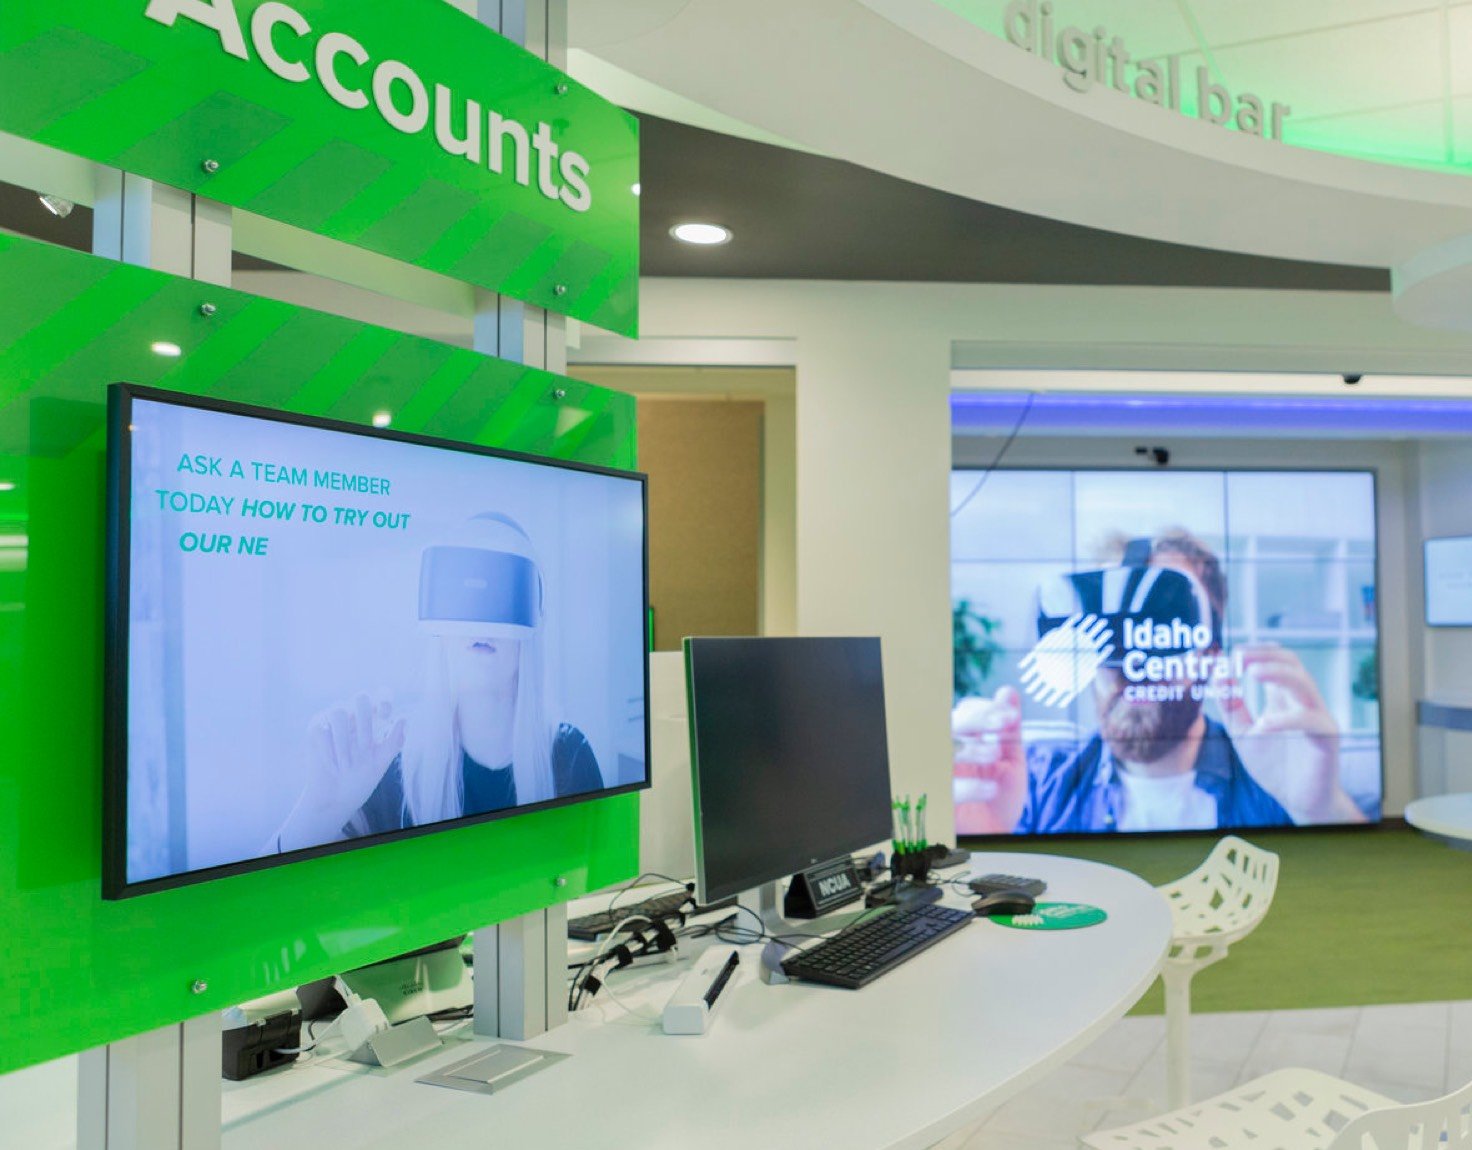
column 1292, row 1109
column 1224, row 898
column 1441, row 1124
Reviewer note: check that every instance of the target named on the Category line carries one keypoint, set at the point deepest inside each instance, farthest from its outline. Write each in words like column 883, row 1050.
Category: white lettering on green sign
column 462, row 128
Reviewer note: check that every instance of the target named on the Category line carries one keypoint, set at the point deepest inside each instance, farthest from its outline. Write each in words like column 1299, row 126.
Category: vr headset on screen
column 1158, row 609
column 486, row 585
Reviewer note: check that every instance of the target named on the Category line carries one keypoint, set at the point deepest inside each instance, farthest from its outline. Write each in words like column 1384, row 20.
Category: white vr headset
column 480, row 592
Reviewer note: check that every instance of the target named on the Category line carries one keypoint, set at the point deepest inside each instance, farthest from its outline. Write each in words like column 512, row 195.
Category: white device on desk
column 702, row 992
column 369, row 1037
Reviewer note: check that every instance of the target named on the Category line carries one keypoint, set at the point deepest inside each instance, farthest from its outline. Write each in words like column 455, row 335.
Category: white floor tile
column 1408, row 1014
column 958, row 1140
column 1405, row 1045
column 1125, row 1046
column 1067, row 1102
column 1207, row 1078
column 1409, row 1053
column 1226, row 1038
column 1458, row 1066
column 1339, row 1022
column 995, row 1140
column 1277, row 1049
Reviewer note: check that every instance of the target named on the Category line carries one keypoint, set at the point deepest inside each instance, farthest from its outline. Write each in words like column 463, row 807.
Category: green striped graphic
column 75, row 971
column 108, row 82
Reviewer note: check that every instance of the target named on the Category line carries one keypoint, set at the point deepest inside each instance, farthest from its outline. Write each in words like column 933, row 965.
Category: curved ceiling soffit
column 911, row 89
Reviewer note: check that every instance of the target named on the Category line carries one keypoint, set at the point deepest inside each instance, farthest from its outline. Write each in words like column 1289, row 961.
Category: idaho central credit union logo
column 1163, row 662
column 1063, row 663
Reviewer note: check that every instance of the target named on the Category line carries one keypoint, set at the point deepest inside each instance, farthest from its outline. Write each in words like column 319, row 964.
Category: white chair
column 1300, row 1110
column 1217, row 904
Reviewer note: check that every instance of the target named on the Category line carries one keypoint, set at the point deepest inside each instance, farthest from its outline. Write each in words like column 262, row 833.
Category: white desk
column 1445, row 816
column 916, row 1055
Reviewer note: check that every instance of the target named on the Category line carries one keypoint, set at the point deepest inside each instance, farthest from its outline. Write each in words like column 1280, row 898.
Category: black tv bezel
column 995, row 837
column 1426, row 581
column 120, row 397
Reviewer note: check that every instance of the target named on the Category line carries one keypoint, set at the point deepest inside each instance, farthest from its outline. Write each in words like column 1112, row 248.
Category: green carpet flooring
column 1360, row 917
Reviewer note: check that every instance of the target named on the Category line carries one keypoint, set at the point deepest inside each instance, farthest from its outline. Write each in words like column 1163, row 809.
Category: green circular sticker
column 1054, row 916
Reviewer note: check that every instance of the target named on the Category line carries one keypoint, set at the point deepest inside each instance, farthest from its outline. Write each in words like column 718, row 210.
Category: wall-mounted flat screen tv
column 1448, row 566
column 1167, row 650
column 322, row 636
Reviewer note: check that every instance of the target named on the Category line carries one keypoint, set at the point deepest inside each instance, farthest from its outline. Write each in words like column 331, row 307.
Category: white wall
column 873, row 432
column 1445, row 507
column 779, row 515
column 1444, row 484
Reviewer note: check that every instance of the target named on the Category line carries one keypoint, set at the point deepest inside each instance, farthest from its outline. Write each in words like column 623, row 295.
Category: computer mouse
column 1004, row 902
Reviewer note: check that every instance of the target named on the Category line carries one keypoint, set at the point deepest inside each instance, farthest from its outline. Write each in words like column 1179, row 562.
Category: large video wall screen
column 1163, row 651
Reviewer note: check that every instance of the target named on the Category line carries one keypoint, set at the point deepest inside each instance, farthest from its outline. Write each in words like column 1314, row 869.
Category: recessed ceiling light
column 57, row 206
column 165, row 348
column 382, row 418
column 706, row 235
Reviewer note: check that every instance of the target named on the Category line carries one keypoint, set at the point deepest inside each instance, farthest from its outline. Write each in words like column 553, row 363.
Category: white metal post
column 159, row 1090
column 521, row 965
column 1177, row 981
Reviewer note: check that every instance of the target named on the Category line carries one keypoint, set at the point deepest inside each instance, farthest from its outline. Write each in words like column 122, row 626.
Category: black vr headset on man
column 1138, row 594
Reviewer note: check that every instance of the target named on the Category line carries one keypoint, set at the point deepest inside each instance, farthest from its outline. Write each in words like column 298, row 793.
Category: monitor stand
column 765, row 902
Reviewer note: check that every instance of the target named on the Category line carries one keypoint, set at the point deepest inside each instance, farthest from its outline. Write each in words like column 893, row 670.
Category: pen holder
column 910, row 864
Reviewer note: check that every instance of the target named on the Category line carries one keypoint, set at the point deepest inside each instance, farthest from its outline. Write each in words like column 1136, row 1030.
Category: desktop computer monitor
column 789, row 756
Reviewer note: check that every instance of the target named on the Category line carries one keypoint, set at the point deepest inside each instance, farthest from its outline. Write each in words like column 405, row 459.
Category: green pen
column 905, row 825
column 899, row 830
column 920, row 823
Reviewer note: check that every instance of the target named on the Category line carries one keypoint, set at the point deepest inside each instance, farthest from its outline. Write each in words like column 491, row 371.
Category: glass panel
column 71, row 325
column 1011, row 515
column 1117, row 506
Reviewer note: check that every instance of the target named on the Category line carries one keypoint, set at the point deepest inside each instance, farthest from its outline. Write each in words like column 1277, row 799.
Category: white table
column 1445, row 816
column 916, row 1055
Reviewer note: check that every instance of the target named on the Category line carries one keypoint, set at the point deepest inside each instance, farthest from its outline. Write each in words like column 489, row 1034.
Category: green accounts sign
column 402, row 126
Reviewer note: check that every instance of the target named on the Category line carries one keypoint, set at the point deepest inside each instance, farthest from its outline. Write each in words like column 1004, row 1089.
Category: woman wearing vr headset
column 480, row 740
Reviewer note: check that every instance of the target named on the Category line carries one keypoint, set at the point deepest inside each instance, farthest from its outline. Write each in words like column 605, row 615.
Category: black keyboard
column 876, row 946
column 592, row 927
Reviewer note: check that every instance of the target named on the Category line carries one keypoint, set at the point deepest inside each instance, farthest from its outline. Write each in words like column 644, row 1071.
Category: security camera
column 1160, row 455
column 1351, row 377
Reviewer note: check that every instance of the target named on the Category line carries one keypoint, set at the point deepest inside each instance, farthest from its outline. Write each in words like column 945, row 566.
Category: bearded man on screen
column 1145, row 638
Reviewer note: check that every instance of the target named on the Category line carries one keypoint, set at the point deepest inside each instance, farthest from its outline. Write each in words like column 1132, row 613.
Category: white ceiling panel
column 1459, row 23
column 1413, row 134
column 1348, row 69
column 1462, row 129
column 1235, row 21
